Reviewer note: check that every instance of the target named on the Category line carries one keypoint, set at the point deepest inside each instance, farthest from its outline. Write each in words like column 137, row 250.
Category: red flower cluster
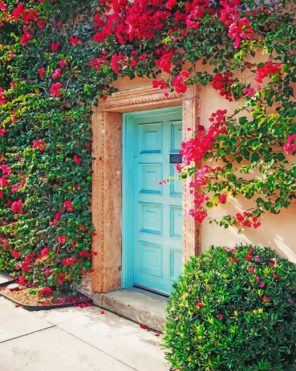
column 17, row 207
column 193, row 151
column 55, row 90
column 165, row 61
column 56, row 218
column 74, row 40
column 247, row 220
column 290, row 145
column 55, row 46
column 269, row 68
column 56, row 74
column 223, row 84
column 46, row 290
column 27, row 36
column 39, row 144
column 68, row 205
column 238, row 28
column 179, row 82
column 2, row 97
column 199, row 305
column 62, row 239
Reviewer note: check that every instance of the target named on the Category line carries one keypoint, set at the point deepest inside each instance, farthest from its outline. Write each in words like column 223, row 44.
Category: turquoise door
column 152, row 213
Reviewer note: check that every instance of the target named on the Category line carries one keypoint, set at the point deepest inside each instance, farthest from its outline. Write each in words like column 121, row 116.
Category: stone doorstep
column 138, row 305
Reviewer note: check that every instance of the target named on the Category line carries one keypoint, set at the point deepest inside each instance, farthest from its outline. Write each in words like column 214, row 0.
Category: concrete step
column 138, row 305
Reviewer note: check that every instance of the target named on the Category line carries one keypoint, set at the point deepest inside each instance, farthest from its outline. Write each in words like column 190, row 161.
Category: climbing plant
column 58, row 57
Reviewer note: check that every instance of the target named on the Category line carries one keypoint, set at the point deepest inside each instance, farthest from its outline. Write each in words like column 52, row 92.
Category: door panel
column 155, row 211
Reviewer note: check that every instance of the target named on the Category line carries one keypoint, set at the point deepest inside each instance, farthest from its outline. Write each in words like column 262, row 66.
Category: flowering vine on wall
column 57, row 57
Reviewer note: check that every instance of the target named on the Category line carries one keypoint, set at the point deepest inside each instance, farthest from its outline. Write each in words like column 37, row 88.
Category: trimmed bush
column 233, row 309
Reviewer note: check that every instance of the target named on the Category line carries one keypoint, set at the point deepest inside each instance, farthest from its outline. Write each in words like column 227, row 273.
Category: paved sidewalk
column 75, row 339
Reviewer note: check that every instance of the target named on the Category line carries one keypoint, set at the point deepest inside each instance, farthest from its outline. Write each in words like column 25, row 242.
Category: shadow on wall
column 277, row 231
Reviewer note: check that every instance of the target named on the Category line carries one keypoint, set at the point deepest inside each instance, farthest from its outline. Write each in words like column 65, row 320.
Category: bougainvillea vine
column 57, row 58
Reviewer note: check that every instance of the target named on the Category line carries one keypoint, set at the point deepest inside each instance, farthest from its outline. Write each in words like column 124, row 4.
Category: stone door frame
column 107, row 177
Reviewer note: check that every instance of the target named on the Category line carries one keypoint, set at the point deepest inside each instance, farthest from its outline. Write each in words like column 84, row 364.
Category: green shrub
column 233, row 309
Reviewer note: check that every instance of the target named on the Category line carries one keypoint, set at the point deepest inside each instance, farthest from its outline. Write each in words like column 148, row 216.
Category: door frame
column 127, row 273
column 128, row 243
column 107, row 148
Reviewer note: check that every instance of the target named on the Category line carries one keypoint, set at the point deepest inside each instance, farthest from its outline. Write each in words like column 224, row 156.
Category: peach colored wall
column 277, row 231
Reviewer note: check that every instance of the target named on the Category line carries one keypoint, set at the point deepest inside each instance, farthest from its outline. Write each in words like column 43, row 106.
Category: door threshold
column 138, row 305
column 152, row 290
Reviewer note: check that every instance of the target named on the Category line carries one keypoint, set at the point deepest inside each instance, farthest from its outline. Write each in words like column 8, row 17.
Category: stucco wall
column 277, row 231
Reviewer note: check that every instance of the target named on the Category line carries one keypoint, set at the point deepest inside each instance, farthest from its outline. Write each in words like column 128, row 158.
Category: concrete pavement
column 75, row 339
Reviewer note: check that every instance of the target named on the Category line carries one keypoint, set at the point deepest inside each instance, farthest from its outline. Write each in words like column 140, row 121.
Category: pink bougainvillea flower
column 41, row 72
column 165, row 61
column 233, row 259
column 85, row 253
column 62, row 239
column 55, row 90
column 68, row 261
column 74, row 40
column 179, row 82
column 26, row 37
column 249, row 92
column 246, row 220
column 40, row 24
column 290, row 145
column 222, row 83
column 56, row 74
column 198, row 214
column 15, row 254
column 248, row 258
column 55, row 46
column 17, row 207
column 160, row 84
column 5, row 169
column 68, row 205
column 222, row 198
column 2, row 97
column 22, row 280
column 251, row 270
column 44, row 251
column 170, row 4
column 63, row 63
column 266, row 299
column 14, row 188
column 46, row 290
column 47, row 272
column 76, row 159
column 56, row 218
column 39, row 144
column 199, row 304
column 269, row 68
column 3, row 6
